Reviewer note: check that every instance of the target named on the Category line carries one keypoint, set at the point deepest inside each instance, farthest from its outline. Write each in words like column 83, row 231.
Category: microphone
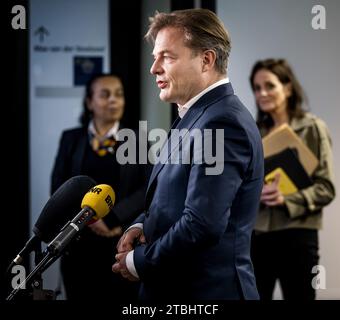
column 96, row 204
column 59, row 209
column 62, row 207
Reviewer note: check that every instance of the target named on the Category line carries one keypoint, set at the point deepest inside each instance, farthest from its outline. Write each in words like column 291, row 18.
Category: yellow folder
column 286, row 185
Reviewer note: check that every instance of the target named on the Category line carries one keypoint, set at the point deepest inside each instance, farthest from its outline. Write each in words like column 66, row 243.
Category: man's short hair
column 203, row 30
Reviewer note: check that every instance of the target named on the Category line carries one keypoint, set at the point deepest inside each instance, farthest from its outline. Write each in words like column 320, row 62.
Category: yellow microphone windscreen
column 100, row 199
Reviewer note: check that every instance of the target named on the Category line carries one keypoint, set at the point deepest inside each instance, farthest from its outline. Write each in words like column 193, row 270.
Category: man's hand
column 100, row 228
column 271, row 195
column 120, row 267
column 129, row 238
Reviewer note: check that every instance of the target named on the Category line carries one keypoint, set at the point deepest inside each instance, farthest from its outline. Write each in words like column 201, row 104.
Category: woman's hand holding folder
column 271, row 195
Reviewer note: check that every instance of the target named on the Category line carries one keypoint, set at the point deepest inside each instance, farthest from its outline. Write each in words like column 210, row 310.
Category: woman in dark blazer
column 91, row 150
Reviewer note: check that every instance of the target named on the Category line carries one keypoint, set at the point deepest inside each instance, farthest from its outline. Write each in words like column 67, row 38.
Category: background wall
column 77, row 28
column 275, row 28
column 156, row 112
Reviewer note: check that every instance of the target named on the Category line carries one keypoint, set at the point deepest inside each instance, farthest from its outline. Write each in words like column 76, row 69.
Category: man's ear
column 208, row 60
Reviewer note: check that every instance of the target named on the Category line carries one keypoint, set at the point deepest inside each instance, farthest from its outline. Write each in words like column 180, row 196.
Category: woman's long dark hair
column 86, row 114
column 284, row 72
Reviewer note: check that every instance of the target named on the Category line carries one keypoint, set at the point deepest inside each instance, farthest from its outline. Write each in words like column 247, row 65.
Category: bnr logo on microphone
column 96, row 190
column 109, row 202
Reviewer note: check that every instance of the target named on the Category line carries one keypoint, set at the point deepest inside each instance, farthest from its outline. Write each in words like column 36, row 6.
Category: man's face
column 177, row 69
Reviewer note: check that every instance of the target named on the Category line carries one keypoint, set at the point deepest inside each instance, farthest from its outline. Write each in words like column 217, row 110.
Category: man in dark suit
column 193, row 240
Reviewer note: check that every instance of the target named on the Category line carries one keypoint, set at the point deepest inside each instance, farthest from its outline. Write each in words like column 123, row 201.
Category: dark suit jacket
column 132, row 182
column 198, row 226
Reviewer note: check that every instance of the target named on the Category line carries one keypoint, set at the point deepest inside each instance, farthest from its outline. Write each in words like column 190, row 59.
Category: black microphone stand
column 52, row 253
column 39, row 293
column 35, row 280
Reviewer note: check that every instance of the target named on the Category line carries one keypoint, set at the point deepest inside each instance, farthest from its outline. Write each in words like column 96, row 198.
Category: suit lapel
column 186, row 123
column 159, row 164
column 190, row 118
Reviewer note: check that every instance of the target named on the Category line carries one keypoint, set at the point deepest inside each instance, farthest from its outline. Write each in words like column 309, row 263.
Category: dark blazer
column 198, row 226
column 131, row 185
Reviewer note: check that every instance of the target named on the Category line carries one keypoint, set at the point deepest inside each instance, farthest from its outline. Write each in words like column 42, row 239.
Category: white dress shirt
column 111, row 133
column 182, row 110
